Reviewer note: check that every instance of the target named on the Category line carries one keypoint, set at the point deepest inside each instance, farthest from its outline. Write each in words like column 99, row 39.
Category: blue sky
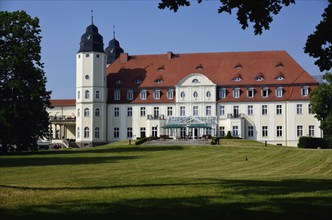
column 142, row 28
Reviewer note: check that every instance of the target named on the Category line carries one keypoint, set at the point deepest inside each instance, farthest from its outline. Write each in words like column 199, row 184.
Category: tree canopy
column 321, row 102
column 23, row 96
column 260, row 13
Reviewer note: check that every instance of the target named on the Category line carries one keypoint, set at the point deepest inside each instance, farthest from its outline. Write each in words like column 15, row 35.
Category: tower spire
column 113, row 31
column 91, row 16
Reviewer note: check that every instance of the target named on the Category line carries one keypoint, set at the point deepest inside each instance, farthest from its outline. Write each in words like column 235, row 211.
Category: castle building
column 259, row 95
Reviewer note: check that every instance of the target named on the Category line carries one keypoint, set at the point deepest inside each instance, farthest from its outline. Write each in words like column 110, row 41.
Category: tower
column 91, row 89
column 113, row 50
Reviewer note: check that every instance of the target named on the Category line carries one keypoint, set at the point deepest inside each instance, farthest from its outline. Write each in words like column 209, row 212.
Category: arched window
column 97, row 94
column 78, row 94
column 86, row 132
column 97, row 112
column 182, row 94
column 117, row 94
column 78, row 112
column 97, row 132
column 86, row 112
column 208, row 94
column 87, row 94
column 78, row 132
column 195, row 94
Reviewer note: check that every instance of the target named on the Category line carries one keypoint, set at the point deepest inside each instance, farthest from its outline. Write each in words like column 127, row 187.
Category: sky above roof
column 142, row 28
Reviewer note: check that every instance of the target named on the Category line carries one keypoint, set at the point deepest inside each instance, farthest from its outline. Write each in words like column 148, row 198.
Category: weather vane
column 113, row 31
column 91, row 16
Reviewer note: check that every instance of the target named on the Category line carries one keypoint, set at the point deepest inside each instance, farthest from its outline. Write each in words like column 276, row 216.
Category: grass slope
column 238, row 180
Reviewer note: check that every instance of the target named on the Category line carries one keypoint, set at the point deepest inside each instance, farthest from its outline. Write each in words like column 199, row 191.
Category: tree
column 260, row 13
column 23, row 96
column 321, row 102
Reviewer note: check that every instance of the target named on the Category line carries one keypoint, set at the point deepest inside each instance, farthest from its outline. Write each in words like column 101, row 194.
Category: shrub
column 141, row 141
column 215, row 140
column 228, row 135
column 311, row 142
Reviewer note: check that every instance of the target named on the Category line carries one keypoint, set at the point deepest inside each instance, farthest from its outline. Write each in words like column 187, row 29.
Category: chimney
column 169, row 55
column 123, row 57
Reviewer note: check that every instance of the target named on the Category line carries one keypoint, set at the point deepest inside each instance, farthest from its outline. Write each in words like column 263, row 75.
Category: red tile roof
column 62, row 102
column 220, row 68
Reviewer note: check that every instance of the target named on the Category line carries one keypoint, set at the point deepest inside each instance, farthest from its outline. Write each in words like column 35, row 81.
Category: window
column 235, row 131
column 195, row 94
column 116, row 112
column 236, row 111
column 97, row 94
column 236, row 79
column 97, row 55
column 182, row 110
column 310, row 111
column 97, row 132
column 222, row 93
column 142, row 112
column 129, row 132
column 279, row 78
column 116, row 133
column 86, row 112
column 87, row 94
column 78, row 95
column 250, row 131
column 208, row 110
column 264, row 109
column 130, row 94
column 156, row 112
column 221, row 110
column 250, row 109
column 195, row 81
column 182, row 95
column 208, row 94
column 154, row 131
column 259, row 78
column 87, row 77
column 236, row 93
column 264, row 131
column 156, row 94
column 78, row 133
column 195, row 110
column 299, row 109
column 250, row 92
column 78, row 112
column 86, row 132
column 222, row 131
column 158, row 80
column 170, row 94
column 143, row 132
column 117, row 94
column 304, row 90
column 129, row 111
column 87, row 55
column 169, row 111
column 138, row 81
column 143, row 94
column 97, row 112
column 279, row 131
column 279, row 109
column 265, row 92
column 119, row 82
column 311, row 130
column 279, row 91
column 299, row 131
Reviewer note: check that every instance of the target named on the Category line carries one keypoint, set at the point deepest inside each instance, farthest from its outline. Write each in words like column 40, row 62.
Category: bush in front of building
column 215, row 140
column 312, row 142
column 141, row 141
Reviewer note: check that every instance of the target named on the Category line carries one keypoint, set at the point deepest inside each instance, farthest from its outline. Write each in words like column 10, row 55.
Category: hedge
column 312, row 142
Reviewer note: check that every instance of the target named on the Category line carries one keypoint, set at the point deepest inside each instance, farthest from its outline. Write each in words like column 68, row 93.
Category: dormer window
column 158, row 80
column 236, row 79
column 195, row 81
column 305, row 90
column 138, row 81
column 222, row 93
column 236, row 93
column 279, row 92
column 170, row 93
column 119, row 81
column 156, row 94
column 161, row 68
column 259, row 78
column 265, row 92
column 279, row 78
column 130, row 94
column 117, row 94
column 280, row 65
column 143, row 94
column 199, row 67
column 238, row 66
column 251, row 92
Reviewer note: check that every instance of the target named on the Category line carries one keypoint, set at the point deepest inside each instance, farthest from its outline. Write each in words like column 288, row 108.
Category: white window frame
column 250, row 110
column 117, row 94
column 236, row 93
column 222, row 93
column 279, row 92
column 299, row 109
column 208, row 110
column 143, row 94
column 279, row 109
column 195, row 110
column 265, row 92
column 156, row 94
column 221, row 110
column 250, row 92
column 130, row 94
column 170, row 94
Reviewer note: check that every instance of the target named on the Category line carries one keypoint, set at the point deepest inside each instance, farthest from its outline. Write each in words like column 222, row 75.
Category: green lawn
column 237, row 180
